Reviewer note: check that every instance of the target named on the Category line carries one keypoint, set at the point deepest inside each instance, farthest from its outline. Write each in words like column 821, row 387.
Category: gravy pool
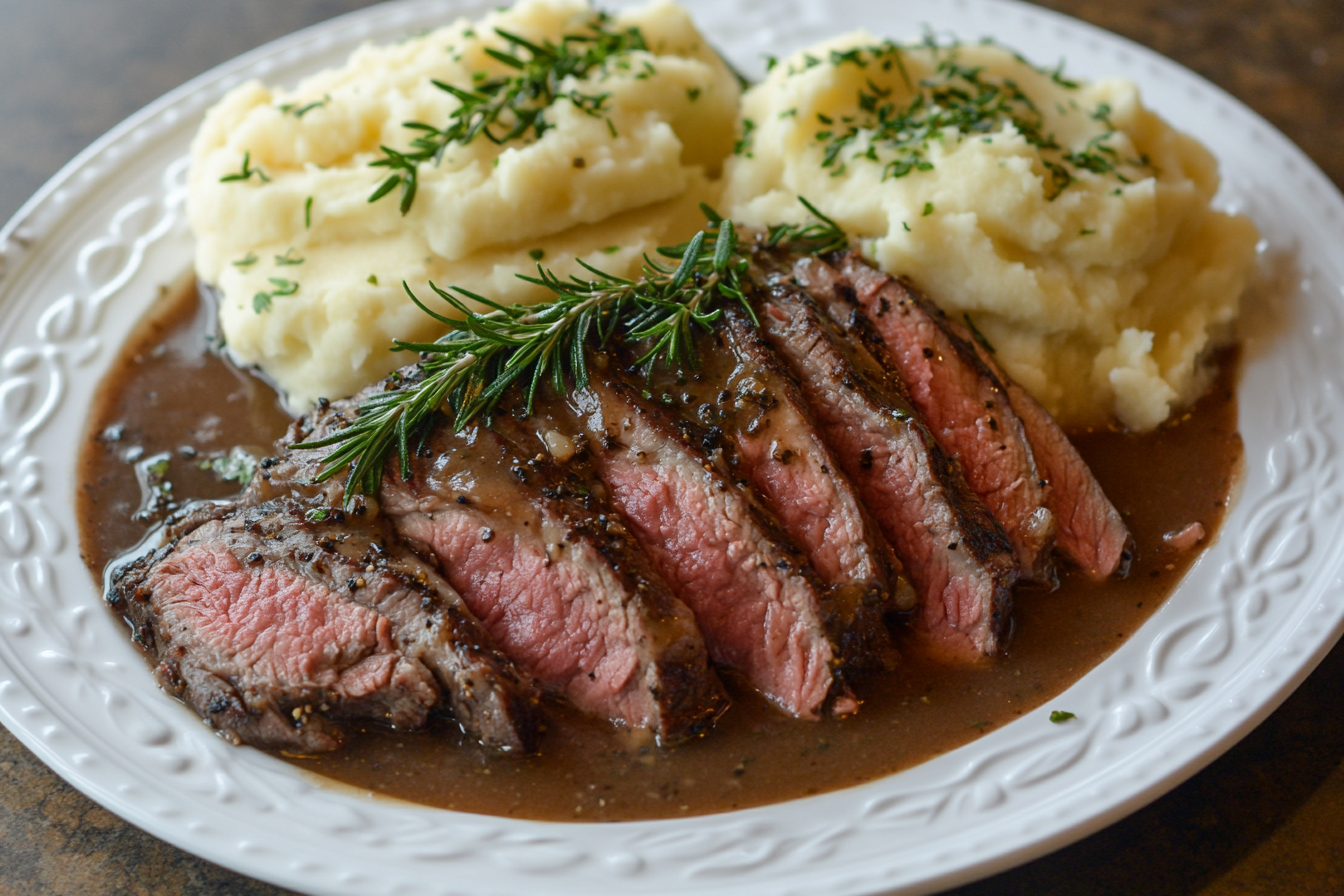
column 169, row 393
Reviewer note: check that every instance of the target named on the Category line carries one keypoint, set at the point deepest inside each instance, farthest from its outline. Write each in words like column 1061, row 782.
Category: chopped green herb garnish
column 282, row 287
column 928, row 210
column 610, row 250
column 1086, row 232
column 317, row 514
column 536, row 254
column 957, row 98
column 906, row 226
column 373, row 279
column 509, row 107
column 1058, row 77
column 743, row 145
column 308, row 213
column 1057, row 716
column 317, row 104
column 692, row 93
column 289, row 258
column 246, row 172
column 236, row 466
column 247, row 260
column 977, row 335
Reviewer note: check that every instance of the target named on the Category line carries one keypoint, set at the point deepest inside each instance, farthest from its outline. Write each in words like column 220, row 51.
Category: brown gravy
column 169, row 393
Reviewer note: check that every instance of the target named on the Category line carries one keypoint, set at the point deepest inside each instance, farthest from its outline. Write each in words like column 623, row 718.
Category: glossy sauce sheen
column 169, row 393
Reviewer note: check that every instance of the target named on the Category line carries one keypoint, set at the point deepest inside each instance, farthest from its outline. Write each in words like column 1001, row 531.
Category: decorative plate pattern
column 81, row 262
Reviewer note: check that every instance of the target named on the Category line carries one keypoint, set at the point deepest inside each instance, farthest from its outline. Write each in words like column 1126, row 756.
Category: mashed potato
column 1068, row 221
column 311, row 270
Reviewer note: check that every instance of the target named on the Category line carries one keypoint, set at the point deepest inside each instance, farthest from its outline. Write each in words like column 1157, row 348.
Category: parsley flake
column 246, row 172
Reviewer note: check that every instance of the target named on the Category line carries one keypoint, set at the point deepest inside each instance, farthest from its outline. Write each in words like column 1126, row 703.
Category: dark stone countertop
column 1266, row 818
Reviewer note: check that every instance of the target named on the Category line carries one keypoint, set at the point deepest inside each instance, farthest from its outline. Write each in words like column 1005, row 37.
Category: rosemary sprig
column 485, row 354
column 507, row 107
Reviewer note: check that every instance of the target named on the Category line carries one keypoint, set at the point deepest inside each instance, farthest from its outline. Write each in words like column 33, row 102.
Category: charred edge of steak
column 671, row 689
column 755, row 426
column 1092, row 533
column 858, row 396
column 363, row 558
column 687, row 696
column 850, row 641
column 965, row 404
column 872, row 563
column 423, row 638
column 241, row 695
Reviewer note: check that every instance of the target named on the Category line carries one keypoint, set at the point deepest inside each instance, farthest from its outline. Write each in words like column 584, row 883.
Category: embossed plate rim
column 1208, row 666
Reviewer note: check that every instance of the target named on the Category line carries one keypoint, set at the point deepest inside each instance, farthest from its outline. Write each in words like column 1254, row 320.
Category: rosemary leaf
column 467, row 372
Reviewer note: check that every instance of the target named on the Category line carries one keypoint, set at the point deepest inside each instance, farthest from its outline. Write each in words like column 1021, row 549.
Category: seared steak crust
column 276, row 624
column 962, row 400
column 758, row 603
column 962, row 564
column 739, row 399
column 1091, row 532
column 547, row 566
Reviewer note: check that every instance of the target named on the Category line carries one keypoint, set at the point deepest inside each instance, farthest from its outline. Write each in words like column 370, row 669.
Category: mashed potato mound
column 1069, row 222
column 311, row 270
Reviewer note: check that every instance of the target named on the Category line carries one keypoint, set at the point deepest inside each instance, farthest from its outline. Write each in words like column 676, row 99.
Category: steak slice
column 759, row 605
column 276, row 625
column 1091, row 532
column 962, row 400
column 738, row 389
column 962, row 565
column 546, row 565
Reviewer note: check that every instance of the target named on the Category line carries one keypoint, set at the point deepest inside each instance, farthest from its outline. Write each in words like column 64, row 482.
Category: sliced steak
column 1091, row 532
column 738, row 389
column 962, row 565
column 548, row 568
column 961, row 399
column 276, row 626
column 759, row 605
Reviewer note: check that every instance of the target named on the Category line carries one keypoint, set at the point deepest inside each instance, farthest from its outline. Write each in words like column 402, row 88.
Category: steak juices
column 517, row 550
column 614, row 543
column 662, row 542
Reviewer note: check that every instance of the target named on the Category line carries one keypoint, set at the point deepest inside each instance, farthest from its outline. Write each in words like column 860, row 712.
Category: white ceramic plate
column 81, row 261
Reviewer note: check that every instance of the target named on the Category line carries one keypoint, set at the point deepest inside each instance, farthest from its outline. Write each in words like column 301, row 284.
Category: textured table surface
column 1266, row 818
